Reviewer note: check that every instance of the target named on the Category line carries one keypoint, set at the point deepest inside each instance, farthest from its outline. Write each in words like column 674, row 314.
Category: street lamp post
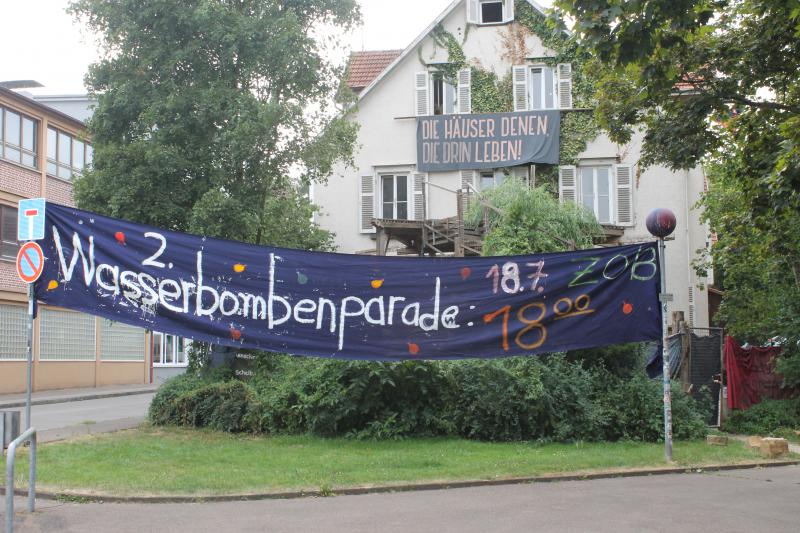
column 661, row 223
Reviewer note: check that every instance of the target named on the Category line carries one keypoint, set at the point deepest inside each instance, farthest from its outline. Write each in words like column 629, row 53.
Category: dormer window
column 490, row 11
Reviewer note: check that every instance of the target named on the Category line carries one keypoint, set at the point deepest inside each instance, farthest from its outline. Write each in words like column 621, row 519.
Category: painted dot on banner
column 236, row 334
column 302, row 279
column 377, row 283
column 170, row 265
column 239, row 268
column 540, row 289
column 466, row 272
column 53, row 285
column 413, row 348
column 627, row 308
column 120, row 237
column 470, row 324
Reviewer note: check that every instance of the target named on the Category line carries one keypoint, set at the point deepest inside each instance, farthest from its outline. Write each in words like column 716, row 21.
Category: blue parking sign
column 30, row 220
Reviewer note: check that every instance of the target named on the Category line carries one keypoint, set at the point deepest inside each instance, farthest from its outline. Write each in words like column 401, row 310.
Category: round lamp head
column 661, row 222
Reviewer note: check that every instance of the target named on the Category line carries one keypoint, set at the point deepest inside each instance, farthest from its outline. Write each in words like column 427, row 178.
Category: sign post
column 30, row 264
column 661, row 223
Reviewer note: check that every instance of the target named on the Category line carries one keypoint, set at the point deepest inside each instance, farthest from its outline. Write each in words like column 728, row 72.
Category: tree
column 207, row 107
column 531, row 220
column 715, row 81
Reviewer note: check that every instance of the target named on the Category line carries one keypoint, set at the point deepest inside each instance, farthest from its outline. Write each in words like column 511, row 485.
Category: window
column 492, row 178
column 394, row 189
column 121, row 342
column 542, row 88
column 491, row 11
column 170, row 350
column 444, row 95
column 18, row 138
column 607, row 190
column 435, row 95
column 66, row 336
column 14, row 340
column 66, row 155
column 8, row 232
column 596, row 192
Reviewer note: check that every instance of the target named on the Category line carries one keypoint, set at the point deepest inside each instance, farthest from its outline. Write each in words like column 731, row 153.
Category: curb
column 67, row 399
column 356, row 491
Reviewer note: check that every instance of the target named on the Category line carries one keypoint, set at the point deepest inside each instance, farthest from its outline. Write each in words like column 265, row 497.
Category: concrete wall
column 162, row 374
column 387, row 142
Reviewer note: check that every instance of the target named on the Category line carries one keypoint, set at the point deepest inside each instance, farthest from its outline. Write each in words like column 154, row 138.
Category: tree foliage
column 207, row 107
column 531, row 220
column 716, row 81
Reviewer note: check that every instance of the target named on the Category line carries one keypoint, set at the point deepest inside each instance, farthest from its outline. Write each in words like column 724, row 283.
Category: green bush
column 765, row 418
column 492, row 400
column 550, row 398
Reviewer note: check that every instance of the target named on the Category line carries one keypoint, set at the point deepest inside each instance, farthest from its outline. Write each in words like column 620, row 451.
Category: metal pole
column 29, row 435
column 665, row 356
column 32, row 473
column 30, row 357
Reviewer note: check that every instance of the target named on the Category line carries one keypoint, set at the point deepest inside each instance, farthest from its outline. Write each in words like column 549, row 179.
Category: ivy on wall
column 492, row 94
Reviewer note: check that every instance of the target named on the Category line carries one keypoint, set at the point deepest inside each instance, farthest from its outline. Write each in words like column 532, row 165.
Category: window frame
column 180, row 357
column 481, row 3
column 612, row 191
column 543, row 87
column 14, row 245
column 395, row 201
column 6, row 145
column 449, row 97
column 55, row 145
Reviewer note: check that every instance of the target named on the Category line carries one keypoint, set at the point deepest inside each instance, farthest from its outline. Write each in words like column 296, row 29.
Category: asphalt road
column 61, row 420
column 763, row 500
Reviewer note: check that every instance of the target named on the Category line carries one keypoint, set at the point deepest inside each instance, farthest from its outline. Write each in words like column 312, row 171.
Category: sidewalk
column 8, row 401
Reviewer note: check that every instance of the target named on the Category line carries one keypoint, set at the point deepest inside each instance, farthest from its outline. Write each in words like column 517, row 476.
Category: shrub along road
column 763, row 500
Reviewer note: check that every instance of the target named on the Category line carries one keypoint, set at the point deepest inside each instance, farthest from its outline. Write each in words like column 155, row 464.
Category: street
column 763, row 500
column 61, row 420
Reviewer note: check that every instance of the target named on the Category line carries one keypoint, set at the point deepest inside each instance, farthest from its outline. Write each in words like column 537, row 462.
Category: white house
column 396, row 87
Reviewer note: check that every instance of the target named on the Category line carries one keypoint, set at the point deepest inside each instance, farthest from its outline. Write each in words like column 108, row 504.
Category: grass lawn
column 789, row 434
column 159, row 461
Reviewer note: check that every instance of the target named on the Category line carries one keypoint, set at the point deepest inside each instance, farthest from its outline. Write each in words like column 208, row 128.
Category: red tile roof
column 366, row 66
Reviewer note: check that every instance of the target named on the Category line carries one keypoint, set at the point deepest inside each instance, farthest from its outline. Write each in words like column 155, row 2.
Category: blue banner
column 347, row 306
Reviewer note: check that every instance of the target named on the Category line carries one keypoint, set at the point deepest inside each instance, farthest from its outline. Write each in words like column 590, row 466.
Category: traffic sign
column 30, row 220
column 30, row 262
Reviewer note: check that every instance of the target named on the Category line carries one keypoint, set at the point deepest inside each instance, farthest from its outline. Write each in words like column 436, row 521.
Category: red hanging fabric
column 751, row 375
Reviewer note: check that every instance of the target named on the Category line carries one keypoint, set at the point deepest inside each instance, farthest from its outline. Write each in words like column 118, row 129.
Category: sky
column 60, row 56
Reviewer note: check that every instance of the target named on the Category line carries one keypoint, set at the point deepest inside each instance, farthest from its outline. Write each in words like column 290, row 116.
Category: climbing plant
column 493, row 94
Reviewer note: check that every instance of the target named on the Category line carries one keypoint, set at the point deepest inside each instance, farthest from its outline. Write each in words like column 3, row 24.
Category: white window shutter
column 564, row 76
column 473, row 10
column 624, row 181
column 366, row 204
column 468, row 187
column 568, row 183
column 421, row 93
column 465, row 90
column 420, row 196
column 520, row 74
column 508, row 10
column 467, row 180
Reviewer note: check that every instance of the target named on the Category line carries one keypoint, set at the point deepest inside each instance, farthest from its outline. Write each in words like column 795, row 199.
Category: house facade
column 41, row 151
column 444, row 72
